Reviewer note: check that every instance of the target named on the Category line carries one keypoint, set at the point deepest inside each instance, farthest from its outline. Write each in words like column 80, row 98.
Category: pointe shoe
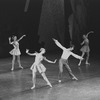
column 79, row 64
column 20, row 67
column 49, row 84
column 74, row 78
column 87, row 63
column 33, row 87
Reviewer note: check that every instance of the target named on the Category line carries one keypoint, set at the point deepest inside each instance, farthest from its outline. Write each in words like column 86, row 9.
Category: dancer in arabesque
column 85, row 48
column 67, row 52
column 38, row 66
column 16, row 51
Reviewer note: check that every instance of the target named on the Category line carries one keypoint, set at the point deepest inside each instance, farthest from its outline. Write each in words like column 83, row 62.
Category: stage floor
column 16, row 85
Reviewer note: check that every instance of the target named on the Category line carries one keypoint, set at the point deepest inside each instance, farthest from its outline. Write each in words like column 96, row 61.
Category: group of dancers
column 39, row 57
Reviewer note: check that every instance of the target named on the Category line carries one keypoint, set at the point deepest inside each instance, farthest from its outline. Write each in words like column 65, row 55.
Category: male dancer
column 63, row 60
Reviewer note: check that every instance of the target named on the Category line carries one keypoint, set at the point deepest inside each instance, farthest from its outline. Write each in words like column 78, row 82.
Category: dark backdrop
column 14, row 21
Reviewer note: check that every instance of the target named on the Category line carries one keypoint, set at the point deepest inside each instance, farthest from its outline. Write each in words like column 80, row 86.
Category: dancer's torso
column 66, row 53
column 38, row 59
column 86, row 42
column 16, row 45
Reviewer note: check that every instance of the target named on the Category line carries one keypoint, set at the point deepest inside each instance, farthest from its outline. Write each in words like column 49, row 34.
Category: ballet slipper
column 33, row 87
column 87, row 63
column 21, row 67
column 74, row 78
column 49, row 84
column 12, row 69
column 79, row 64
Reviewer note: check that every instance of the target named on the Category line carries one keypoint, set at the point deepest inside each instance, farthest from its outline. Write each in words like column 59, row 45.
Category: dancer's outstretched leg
column 33, row 79
column 18, row 58
column 83, row 53
column 70, row 72
column 13, row 62
column 46, row 79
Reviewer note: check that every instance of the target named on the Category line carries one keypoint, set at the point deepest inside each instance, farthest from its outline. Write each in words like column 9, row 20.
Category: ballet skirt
column 16, row 50
column 85, row 48
column 40, row 67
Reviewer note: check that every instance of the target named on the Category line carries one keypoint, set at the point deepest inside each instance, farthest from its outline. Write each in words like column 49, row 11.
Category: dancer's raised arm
column 50, row 60
column 89, row 33
column 10, row 41
column 21, row 38
column 31, row 54
column 58, row 44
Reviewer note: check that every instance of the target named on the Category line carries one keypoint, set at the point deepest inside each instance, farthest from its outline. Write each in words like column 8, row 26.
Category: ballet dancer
column 63, row 60
column 85, row 48
column 38, row 66
column 16, row 51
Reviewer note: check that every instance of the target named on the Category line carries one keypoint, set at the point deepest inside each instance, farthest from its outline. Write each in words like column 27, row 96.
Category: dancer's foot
column 12, row 69
column 87, row 63
column 74, row 78
column 33, row 87
column 79, row 64
column 49, row 84
column 20, row 67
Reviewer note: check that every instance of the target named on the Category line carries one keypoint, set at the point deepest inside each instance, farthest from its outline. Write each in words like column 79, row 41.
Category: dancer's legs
column 60, row 70
column 33, row 79
column 46, row 79
column 87, row 58
column 70, row 72
column 18, row 59
column 13, row 62
column 83, row 53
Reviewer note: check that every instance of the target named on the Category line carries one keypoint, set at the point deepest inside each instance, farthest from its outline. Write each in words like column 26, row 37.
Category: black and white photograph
column 49, row 50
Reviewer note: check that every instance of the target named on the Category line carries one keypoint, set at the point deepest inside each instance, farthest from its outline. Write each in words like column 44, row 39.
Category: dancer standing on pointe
column 63, row 60
column 85, row 48
column 16, row 51
column 38, row 66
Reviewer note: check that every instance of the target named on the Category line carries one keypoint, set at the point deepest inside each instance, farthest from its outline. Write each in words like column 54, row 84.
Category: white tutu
column 15, row 52
column 40, row 67
column 85, row 48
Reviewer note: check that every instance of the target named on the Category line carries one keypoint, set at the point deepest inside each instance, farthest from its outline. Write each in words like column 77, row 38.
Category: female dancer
column 16, row 51
column 63, row 60
column 85, row 48
column 38, row 66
